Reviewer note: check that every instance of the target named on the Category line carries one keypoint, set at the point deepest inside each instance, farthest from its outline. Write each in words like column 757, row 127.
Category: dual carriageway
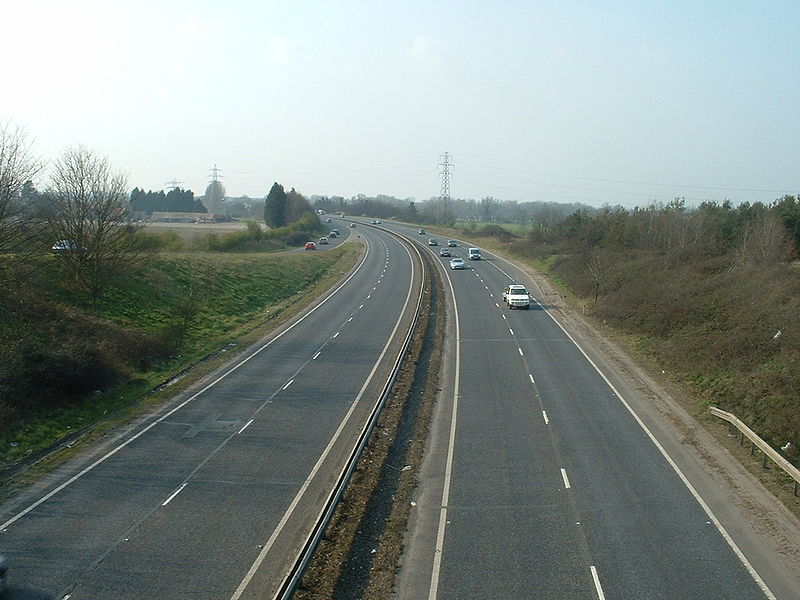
column 541, row 480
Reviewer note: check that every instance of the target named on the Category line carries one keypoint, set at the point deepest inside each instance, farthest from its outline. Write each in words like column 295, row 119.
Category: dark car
column 433, row 242
column 444, row 252
column 452, row 243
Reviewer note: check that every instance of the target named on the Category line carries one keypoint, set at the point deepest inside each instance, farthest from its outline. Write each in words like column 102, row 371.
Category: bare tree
column 764, row 241
column 488, row 205
column 597, row 265
column 17, row 167
column 86, row 204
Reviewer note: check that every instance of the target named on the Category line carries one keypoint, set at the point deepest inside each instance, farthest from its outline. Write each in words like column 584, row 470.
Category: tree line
column 176, row 200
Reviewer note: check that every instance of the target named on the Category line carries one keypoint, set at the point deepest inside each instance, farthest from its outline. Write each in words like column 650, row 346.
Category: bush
column 52, row 376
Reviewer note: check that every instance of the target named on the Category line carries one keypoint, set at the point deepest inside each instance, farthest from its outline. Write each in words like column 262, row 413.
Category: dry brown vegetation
column 710, row 294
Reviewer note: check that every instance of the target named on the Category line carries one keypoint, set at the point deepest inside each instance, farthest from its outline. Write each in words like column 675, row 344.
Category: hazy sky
column 597, row 102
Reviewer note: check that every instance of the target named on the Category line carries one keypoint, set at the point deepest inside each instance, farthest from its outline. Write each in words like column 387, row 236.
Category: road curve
column 212, row 496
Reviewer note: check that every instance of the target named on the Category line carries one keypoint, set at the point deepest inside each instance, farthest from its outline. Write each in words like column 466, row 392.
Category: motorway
column 540, row 482
column 212, row 495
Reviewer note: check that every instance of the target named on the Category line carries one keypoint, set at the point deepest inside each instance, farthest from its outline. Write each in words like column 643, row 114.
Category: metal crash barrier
column 769, row 452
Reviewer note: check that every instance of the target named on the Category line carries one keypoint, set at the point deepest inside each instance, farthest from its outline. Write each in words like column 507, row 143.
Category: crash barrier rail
column 292, row 579
column 769, row 452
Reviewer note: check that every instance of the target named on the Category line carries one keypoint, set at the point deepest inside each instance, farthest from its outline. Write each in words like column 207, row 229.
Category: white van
column 474, row 254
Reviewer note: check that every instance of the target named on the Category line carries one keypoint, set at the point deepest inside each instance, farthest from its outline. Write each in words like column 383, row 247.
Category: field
column 189, row 231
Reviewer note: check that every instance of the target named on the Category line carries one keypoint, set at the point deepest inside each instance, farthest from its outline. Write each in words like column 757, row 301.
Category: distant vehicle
column 444, row 252
column 310, row 246
column 516, row 296
column 433, row 242
column 452, row 243
column 327, row 220
column 336, row 231
column 421, row 231
column 352, row 224
column 332, row 234
column 376, row 221
column 323, row 240
column 457, row 263
column 474, row 253
column 65, row 246
column 3, row 571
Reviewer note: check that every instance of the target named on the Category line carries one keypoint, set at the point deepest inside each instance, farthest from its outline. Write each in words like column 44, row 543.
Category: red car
column 310, row 246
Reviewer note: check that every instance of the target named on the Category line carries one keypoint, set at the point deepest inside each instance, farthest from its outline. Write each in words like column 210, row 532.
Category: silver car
column 457, row 263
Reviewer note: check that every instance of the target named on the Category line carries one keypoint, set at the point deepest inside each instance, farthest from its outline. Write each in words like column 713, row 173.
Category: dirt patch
column 360, row 551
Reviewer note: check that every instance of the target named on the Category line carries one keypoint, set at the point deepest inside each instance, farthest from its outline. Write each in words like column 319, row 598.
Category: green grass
column 235, row 299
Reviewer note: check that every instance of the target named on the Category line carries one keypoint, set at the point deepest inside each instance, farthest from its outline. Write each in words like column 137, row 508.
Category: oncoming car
column 433, row 242
column 310, row 246
column 452, row 243
column 444, row 252
column 323, row 240
column 457, row 263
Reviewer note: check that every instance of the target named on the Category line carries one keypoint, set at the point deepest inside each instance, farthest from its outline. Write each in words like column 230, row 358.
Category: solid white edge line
column 175, row 493
column 171, row 412
column 597, row 587
column 246, row 425
column 565, row 478
column 301, row 492
column 707, row 509
column 448, row 471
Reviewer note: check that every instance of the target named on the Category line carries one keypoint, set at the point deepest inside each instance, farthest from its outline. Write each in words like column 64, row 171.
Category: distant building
column 182, row 217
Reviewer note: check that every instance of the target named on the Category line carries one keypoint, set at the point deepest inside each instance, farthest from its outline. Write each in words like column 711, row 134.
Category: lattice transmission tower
column 446, row 167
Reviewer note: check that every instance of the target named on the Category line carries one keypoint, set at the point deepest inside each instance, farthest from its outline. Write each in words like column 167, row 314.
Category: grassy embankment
column 65, row 368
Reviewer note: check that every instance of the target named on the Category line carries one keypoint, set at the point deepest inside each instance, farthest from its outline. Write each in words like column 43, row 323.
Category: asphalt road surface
column 212, row 496
column 541, row 483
